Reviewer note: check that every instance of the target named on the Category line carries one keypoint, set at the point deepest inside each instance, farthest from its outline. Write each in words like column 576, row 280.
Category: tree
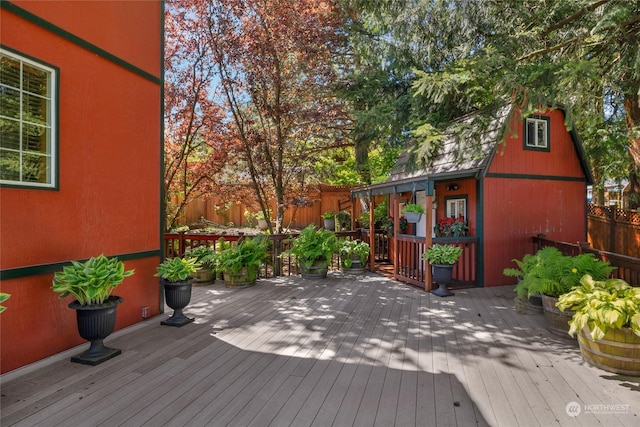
column 274, row 73
column 475, row 56
column 195, row 135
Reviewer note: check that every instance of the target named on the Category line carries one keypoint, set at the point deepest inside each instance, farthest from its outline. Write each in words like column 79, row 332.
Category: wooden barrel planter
column 203, row 276
column 557, row 321
column 317, row 270
column 244, row 278
column 618, row 351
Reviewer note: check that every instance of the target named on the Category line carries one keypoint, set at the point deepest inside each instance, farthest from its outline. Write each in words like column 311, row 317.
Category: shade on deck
column 361, row 350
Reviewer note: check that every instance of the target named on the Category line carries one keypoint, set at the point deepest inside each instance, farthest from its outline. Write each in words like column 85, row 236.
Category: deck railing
column 628, row 268
column 410, row 267
column 277, row 264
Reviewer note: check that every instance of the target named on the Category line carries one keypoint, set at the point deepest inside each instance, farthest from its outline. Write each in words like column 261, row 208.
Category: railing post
column 181, row 244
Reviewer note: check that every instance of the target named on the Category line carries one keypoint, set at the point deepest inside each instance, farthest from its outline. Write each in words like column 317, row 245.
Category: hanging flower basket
column 413, row 217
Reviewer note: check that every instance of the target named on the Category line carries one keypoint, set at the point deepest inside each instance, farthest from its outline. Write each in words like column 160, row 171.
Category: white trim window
column 27, row 122
column 537, row 133
column 456, row 208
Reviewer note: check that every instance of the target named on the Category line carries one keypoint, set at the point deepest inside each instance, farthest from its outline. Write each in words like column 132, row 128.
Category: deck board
column 344, row 351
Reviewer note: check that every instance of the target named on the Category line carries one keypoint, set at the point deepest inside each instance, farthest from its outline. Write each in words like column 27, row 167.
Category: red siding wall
column 538, row 193
column 109, row 161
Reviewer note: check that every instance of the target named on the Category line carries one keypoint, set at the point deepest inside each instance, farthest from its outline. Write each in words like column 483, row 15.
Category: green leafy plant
column 354, row 248
column 92, row 281
column 313, row 244
column 250, row 253
column 177, row 269
column 205, row 256
column 601, row 305
column 442, row 254
column 3, row 298
column 328, row 215
column 413, row 207
column 551, row 273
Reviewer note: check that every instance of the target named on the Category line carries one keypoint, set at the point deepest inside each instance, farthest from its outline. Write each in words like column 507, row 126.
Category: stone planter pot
column 557, row 321
column 412, row 217
column 317, row 270
column 441, row 274
column 95, row 323
column 330, row 224
column 356, row 267
column 177, row 296
column 244, row 278
column 618, row 351
column 262, row 224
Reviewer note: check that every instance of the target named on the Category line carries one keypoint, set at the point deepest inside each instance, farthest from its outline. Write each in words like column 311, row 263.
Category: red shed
column 520, row 177
column 80, row 161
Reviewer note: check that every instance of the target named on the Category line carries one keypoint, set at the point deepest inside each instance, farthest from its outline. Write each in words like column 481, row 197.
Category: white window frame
column 453, row 207
column 51, row 153
column 541, row 134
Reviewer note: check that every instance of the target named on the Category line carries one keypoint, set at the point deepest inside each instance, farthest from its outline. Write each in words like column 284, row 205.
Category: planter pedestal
column 441, row 274
column 95, row 323
column 177, row 295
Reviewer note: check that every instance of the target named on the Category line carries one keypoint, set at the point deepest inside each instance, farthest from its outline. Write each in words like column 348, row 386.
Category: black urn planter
column 441, row 274
column 177, row 295
column 95, row 323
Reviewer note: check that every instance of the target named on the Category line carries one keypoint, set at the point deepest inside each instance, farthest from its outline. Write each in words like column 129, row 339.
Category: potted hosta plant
column 176, row 276
column 442, row 259
column 329, row 220
column 240, row 264
column 606, row 317
column 3, row 298
column 354, row 255
column 91, row 283
column 413, row 212
column 313, row 250
column 207, row 258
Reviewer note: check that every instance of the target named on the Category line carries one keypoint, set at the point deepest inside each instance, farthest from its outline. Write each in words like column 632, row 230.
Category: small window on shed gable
column 536, row 135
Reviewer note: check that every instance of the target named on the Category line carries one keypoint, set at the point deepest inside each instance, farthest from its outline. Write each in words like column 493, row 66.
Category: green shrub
column 313, row 244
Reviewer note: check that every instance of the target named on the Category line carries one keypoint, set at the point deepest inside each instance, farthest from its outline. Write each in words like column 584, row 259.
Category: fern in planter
column 250, row 253
column 312, row 245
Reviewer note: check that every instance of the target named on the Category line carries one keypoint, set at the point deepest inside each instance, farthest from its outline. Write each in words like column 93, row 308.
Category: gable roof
column 467, row 148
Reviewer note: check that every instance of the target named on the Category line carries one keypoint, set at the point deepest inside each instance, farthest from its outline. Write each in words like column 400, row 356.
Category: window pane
column 34, row 168
column 35, row 138
column 9, row 134
column 35, row 80
column 9, row 165
column 9, row 102
column 35, row 109
column 531, row 133
column 9, row 71
column 542, row 133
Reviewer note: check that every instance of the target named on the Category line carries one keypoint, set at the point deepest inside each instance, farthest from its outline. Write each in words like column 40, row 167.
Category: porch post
column 396, row 227
column 372, row 234
column 427, row 235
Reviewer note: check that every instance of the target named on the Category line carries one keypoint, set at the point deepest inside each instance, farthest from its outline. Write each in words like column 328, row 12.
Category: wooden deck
column 345, row 351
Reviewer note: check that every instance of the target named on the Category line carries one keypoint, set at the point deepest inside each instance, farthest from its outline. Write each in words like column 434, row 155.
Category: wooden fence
column 324, row 198
column 614, row 230
column 628, row 268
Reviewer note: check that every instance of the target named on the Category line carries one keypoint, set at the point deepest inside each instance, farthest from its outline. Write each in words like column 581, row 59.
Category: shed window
column 457, row 208
column 537, row 133
column 27, row 122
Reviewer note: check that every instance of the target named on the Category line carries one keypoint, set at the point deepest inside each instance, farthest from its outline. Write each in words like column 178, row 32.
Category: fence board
column 614, row 230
